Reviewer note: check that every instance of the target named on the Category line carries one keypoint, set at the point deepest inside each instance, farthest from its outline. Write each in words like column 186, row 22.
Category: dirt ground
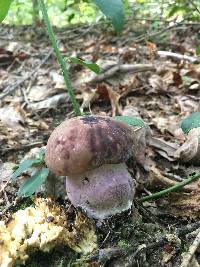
column 150, row 73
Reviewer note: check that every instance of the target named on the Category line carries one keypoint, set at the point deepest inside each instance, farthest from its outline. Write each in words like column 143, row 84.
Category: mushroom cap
column 84, row 143
column 102, row 192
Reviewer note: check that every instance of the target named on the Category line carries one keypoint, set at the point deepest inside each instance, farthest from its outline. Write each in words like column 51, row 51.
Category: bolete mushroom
column 91, row 152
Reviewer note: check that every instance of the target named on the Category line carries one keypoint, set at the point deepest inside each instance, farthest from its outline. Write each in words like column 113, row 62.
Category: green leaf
column 131, row 120
column 24, row 166
column 32, row 184
column 173, row 10
column 4, row 7
column 113, row 9
column 192, row 121
column 90, row 65
column 198, row 50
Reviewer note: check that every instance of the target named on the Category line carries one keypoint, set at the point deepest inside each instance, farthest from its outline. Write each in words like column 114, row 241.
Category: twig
column 22, row 147
column 173, row 188
column 178, row 56
column 188, row 257
column 30, row 75
column 153, row 34
column 123, row 68
column 105, row 239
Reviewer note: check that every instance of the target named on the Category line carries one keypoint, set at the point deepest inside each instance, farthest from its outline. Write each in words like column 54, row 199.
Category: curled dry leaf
column 105, row 92
column 157, row 84
column 43, row 227
column 114, row 100
column 12, row 117
column 50, row 102
column 6, row 169
column 88, row 95
column 187, row 103
column 190, row 150
column 165, row 148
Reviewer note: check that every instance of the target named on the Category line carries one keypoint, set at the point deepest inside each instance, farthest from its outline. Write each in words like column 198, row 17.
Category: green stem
column 59, row 58
column 173, row 188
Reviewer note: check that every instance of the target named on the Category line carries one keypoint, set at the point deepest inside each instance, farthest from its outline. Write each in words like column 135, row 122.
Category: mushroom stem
column 102, row 192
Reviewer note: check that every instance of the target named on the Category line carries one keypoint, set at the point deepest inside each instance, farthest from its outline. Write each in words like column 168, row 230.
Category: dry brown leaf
column 41, row 92
column 172, row 78
column 50, row 102
column 88, row 95
column 13, row 117
column 152, row 49
column 105, row 92
column 190, row 150
column 157, row 84
column 164, row 123
column 185, row 205
column 114, row 100
column 187, row 104
column 58, row 80
column 164, row 148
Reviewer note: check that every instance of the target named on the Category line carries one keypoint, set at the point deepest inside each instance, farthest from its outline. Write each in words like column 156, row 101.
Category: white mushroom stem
column 102, row 192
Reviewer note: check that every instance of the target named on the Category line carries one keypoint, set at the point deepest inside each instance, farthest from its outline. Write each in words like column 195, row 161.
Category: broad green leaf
column 192, row 121
column 4, row 7
column 90, row 65
column 24, row 166
column 33, row 183
column 113, row 9
column 131, row 120
column 173, row 10
column 198, row 50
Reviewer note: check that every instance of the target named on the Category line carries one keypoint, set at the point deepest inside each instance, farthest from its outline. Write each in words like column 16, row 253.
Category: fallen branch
column 134, row 68
column 188, row 257
column 178, row 56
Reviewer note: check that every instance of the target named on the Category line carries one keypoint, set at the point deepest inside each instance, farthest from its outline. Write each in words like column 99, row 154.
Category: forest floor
column 146, row 72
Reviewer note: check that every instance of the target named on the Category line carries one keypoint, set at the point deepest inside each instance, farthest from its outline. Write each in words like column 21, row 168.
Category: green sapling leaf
column 23, row 166
column 131, row 120
column 192, row 121
column 33, row 183
column 4, row 7
column 114, row 10
column 88, row 64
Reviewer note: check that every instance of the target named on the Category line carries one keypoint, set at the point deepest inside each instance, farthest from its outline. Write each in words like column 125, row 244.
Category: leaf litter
column 158, row 81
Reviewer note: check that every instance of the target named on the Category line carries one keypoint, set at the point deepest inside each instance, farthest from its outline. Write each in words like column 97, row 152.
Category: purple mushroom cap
column 84, row 143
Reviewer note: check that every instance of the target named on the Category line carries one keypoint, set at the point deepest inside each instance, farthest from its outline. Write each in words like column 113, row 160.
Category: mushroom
column 91, row 152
